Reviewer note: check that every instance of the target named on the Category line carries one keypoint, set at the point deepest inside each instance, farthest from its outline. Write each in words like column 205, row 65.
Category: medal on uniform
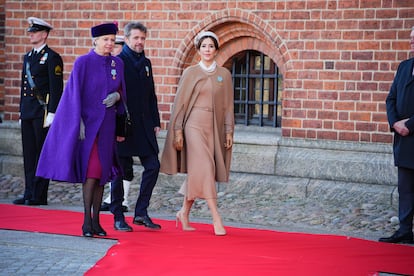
column 43, row 58
column 113, row 70
column 147, row 69
column 219, row 78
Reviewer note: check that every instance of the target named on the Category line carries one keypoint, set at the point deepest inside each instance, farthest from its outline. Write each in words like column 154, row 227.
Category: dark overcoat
column 400, row 105
column 142, row 105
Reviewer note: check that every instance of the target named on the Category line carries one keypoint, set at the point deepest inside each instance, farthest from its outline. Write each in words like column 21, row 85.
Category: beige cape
column 173, row 162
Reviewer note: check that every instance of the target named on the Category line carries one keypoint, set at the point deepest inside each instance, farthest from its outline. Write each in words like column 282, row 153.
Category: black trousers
column 33, row 137
column 149, row 178
column 406, row 199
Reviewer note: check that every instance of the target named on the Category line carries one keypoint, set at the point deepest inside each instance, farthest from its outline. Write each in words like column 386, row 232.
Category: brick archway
column 237, row 31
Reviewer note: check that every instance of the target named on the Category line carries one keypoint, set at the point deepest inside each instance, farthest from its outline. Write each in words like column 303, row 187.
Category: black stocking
column 97, row 201
column 88, row 194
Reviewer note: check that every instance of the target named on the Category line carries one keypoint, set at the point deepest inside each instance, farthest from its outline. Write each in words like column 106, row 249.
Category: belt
column 209, row 109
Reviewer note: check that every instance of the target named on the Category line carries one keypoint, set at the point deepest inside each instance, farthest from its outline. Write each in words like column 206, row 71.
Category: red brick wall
column 2, row 57
column 338, row 58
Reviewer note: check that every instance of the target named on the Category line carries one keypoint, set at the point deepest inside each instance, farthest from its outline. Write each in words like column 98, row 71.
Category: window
column 257, row 86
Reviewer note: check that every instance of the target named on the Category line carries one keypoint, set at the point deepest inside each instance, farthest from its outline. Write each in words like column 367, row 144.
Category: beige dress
column 199, row 139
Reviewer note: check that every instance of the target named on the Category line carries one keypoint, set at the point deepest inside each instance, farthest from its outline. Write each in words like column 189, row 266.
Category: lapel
column 410, row 77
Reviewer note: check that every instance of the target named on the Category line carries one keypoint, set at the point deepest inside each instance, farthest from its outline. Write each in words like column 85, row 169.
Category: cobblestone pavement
column 28, row 253
column 250, row 208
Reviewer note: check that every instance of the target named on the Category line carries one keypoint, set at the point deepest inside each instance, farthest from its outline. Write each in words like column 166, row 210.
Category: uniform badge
column 58, row 70
column 147, row 70
column 43, row 58
column 220, row 79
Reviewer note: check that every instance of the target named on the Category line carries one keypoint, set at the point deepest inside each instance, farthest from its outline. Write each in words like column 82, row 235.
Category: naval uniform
column 46, row 70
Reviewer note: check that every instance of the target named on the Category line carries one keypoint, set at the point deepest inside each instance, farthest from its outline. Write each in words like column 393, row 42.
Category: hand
column 157, row 130
column 120, row 138
column 178, row 140
column 49, row 119
column 400, row 127
column 82, row 130
column 111, row 99
column 229, row 141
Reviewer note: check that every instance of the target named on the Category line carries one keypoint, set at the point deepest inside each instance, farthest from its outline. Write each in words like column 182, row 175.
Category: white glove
column 111, row 99
column 82, row 130
column 49, row 119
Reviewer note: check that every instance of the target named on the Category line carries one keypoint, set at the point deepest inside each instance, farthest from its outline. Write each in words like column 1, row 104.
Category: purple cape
column 64, row 157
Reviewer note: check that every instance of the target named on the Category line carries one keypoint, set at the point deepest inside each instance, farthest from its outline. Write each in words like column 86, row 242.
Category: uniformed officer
column 41, row 89
column 119, row 43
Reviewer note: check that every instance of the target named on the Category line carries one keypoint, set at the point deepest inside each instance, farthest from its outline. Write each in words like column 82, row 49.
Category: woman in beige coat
column 200, row 132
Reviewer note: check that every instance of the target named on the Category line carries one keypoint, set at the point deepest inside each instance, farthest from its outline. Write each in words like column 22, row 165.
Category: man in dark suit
column 143, row 108
column 41, row 89
column 400, row 112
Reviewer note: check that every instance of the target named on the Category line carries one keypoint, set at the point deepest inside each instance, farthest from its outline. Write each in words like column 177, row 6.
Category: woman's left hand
column 229, row 141
column 120, row 138
column 111, row 99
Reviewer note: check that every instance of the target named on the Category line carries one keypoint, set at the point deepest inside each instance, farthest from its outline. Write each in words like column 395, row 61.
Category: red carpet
column 242, row 252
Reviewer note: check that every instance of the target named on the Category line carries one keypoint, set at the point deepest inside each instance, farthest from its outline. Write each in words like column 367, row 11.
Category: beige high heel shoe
column 219, row 229
column 184, row 222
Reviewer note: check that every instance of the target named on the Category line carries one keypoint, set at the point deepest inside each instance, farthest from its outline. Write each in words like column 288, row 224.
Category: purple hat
column 104, row 29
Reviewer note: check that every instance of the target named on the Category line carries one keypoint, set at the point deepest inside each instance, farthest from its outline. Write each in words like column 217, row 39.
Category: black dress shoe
column 19, row 201
column 34, row 202
column 97, row 230
column 146, row 221
column 121, row 225
column 398, row 237
column 105, row 206
column 87, row 232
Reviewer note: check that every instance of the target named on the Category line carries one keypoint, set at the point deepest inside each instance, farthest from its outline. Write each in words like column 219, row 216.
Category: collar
column 131, row 52
column 210, row 68
column 40, row 48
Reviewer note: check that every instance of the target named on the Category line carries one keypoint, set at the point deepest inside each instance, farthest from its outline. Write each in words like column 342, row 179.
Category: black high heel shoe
column 98, row 230
column 87, row 231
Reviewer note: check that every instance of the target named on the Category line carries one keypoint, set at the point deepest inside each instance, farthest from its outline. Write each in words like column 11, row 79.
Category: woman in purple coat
column 80, row 145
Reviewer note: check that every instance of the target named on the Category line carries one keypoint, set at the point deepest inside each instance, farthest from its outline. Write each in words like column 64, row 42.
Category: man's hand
column 178, row 140
column 111, row 99
column 400, row 127
column 49, row 119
